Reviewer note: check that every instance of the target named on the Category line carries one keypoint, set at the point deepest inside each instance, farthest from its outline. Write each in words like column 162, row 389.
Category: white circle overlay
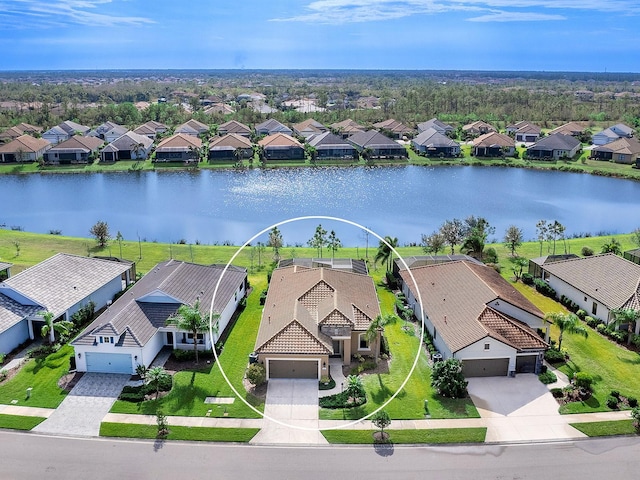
column 329, row 218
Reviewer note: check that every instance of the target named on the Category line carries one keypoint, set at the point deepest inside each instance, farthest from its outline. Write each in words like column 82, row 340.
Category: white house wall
column 13, row 336
column 82, row 350
column 497, row 349
column 511, row 310
column 584, row 301
column 229, row 310
column 151, row 349
column 100, row 297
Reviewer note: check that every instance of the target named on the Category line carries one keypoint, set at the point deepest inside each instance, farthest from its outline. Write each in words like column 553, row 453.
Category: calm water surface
column 229, row 206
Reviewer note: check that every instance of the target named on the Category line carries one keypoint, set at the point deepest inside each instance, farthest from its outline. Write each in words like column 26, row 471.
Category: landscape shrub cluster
column 138, row 393
column 544, row 288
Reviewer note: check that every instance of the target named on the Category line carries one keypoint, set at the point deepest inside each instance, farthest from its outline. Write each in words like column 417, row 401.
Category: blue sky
column 571, row 35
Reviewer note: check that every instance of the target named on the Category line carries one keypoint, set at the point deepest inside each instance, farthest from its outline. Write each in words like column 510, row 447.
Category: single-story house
column 572, row 129
column 192, row 127
column 494, row 144
column 281, row 146
column 554, row 146
column 308, row 128
column 130, row 146
column 64, row 131
column 622, row 130
column 346, row 128
column 108, row 131
column 151, row 129
column 597, row 284
column 178, row 148
column 225, row 147
column 622, row 150
column 271, row 127
column 77, row 149
column 477, row 317
column 62, row 285
column 395, row 128
column 311, row 314
column 25, row 148
column 423, row 260
column 219, row 108
column 432, row 143
column 536, row 264
column 21, row 129
column 437, row 125
column 352, row 265
column 524, row 131
column 133, row 329
column 233, row 126
column 478, row 128
column 604, row 137
column 328, row 145
column 380, row 145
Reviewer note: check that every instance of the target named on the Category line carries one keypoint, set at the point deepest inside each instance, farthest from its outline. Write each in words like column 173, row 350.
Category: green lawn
column 190, row 388
column 42, row 375
column 430, row 436
column 409, row 403
column 19, row 422
column 606, row 429
column 202, row 434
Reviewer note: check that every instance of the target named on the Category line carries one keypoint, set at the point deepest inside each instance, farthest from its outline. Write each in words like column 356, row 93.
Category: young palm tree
column 626, row 316
column 567, row 322
column 154, row 376
column 190, row 318
column 50, row 328
column 385, row 254
column 373, row 335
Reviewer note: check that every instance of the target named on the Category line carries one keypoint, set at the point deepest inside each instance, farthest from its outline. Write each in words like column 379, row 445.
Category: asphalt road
column 31, row 456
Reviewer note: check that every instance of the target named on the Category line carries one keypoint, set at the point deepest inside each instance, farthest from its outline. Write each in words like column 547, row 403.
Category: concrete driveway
column 85, row 406
column 294, row 403
column 519, row 409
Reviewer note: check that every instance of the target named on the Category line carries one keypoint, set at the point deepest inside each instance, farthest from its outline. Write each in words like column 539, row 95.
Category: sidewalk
column 185, row 421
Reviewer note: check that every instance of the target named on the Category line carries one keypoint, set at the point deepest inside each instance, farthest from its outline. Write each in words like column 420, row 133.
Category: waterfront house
column 77, row 149
column 129, row 146
column 493, row 144
column 328, row 145
column 379, row 145
column 622, row 150
column 179, row 148
column 25, row 148
column 432, row 143
column 224, row 148
column 280, row 146
column 554, row 147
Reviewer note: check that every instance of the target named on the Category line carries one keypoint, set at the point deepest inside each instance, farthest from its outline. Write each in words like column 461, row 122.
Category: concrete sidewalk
column 185, row 421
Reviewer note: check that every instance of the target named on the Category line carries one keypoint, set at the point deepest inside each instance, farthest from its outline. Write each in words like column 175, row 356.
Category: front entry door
column 337, row 348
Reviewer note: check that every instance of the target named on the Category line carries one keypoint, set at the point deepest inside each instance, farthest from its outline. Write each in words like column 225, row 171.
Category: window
column 363, row 344
column 594, row 309
column 106, row 339
column 487, row 346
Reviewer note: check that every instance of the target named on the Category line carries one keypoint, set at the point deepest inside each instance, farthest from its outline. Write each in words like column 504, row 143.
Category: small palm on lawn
column 376, row 327
column 191, row 319
column 567, row 322
column 625, row 316
column 354, row 386
column 50, row 328
column 154, row 376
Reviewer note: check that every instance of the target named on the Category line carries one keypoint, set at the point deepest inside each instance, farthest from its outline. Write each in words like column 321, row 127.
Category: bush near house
column 544, row 288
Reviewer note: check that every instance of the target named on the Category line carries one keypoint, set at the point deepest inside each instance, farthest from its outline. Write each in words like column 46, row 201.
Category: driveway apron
column 85, row 406
column 519, row 409
column 292, row 410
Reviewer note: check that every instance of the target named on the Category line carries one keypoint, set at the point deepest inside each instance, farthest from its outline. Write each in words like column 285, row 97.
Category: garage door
column 490, row 367
column 526, row 364
column 109, row 363
column 293, row 369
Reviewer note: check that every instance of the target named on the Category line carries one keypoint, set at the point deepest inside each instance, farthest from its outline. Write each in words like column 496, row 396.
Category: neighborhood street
column 32, row 456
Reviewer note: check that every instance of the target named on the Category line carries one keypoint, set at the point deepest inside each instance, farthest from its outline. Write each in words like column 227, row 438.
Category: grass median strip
column 606, row 429
column 430, row 436
column 200, row 434
column 19, row 422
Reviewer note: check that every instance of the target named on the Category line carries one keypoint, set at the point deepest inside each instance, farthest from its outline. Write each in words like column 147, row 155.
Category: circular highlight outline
column 285, row 222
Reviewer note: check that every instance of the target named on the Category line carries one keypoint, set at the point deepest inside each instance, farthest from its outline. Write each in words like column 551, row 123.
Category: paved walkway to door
column 294, row 403
column 85, row 406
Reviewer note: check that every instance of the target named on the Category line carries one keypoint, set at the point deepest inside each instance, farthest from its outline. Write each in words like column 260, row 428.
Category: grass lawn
column 430, row 436
column 42, row 375
column 409, row 403
column 606, row 429
column 202, row 434
column 190, row 388
column 19, row 422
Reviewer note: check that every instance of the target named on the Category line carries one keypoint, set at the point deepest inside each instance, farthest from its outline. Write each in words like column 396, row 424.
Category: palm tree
column 625, row 316
column 191, row 319
column 154, row 376
column 373, row 335
column 385, row 252
column 567, row 322
column 50, row 328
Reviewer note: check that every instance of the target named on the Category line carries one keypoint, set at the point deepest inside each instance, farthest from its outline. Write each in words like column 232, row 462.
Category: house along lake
column 229, row 206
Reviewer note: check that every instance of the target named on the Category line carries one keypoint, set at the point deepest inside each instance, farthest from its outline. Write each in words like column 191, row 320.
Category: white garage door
column 109, row 362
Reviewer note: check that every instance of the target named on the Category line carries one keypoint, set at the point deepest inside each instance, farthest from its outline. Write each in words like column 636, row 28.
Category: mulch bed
column 260, row 392
column 68, row 381
column 381, row 367
column 172, row 365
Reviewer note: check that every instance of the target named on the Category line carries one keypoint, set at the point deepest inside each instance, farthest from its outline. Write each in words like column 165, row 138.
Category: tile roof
column 151, row 128
column 130, row 140
column 494, row 139
column 372, row 139
column 135, row 318
column 233, row 126
column 61, row 281
column 571, row 128
column 230, row 141
column 192, row 127
column 179, row 142
column 300, row 299
column 477, row 126
column 393, row 125
column 26, row 143
column 328, row 140
column 78, row 142
column 310, row 125
column 279, row 140
column 456, row 296
column 432, row 138
column 556, row 141
column 607, row 278
column 436, row 124
column 623, row 145
column 273, row 126
column 71, row 128
column 347, row 125
column 12, row 312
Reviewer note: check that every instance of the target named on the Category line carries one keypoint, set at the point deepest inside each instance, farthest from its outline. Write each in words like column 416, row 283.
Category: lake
column 215, row 206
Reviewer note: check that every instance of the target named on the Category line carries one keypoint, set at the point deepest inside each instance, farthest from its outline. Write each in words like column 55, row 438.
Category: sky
column 534, row 35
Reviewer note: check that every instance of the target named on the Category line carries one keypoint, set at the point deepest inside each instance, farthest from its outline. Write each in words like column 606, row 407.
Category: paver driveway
column 294, row 403
column 85, row 406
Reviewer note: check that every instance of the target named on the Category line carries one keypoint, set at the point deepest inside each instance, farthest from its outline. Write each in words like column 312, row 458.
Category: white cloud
column 42, row 13
column 356, row 11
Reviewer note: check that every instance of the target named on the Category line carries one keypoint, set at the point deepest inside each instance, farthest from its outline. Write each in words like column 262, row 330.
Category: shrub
column 448, row 380
column 490, row 255
column 554, row 356
column 592, row 322
column 581, row 314
column 583, row 380
column 635, row 415
column 615, row 393
column 544, row 288
column 189, row 355
column 612, row 402
column 547, row 377
column 263, row 296
column 601, row 327
column 635, row 339
column 632, row 401
column 586, row 251
column 2, row 357
column 527, row 279
column 256, row 374
column 342, row 400
column 557, row 392
column 619, row 336
column 132, row 397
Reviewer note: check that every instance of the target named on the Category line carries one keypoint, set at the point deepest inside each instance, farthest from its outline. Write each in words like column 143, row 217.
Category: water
column 215, row 207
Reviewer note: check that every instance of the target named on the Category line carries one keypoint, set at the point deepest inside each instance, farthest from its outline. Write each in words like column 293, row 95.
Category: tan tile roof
column 347, row 125
column 493, row 139
column 393, row 125
column 456, row 294
column 231, row 140
column 279, row 140
column 510, row 331
column 179, row 141
column 78, row 142
column 233, row 126
column 478, row 125
column 608, row 278
column 623, row 145
column 300, row 299
column 570, row 128
column 25, row 143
